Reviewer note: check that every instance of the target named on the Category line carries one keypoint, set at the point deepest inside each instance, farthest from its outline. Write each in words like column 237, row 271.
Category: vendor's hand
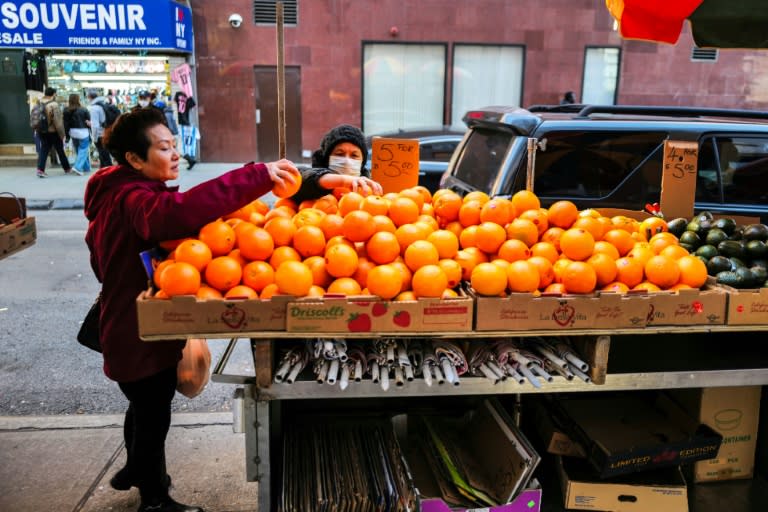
column 282, row 171
column 365, row 186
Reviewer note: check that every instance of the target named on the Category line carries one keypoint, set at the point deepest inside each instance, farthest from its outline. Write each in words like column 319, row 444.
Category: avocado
column 693, row 226
column 715, row 236
column 738, row 233
column 688, row 247
column 707, row 251
column 760, row 273
column 677, row 226
column 756, row 249
column 756, row 232
column 705, row 217
column 760, row 262
column 702, row 258
column 717, row 264
column 729, row 278
column 727, row 225
column 730, row 248
column 690, row 238
column 736, row 263
column 748, row 279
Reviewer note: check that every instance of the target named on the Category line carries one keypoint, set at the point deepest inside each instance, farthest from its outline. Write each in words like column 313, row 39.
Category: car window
column 744, row 164
column 437, row 151
column 594, row 164
column 707, row 178
column 482, row 157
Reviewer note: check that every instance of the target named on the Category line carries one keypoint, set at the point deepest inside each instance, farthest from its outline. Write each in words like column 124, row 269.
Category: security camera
column 235, row 20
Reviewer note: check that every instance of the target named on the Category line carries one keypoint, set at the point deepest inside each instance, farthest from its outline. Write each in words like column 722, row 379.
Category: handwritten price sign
column 678, row 182
column 395, row 163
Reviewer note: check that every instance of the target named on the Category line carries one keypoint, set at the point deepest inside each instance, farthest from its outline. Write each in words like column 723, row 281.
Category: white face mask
column 143, row 103
column 345, row 166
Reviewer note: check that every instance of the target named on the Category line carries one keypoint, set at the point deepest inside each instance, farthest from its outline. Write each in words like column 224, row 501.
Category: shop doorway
column 14, row 121
column 266, row 113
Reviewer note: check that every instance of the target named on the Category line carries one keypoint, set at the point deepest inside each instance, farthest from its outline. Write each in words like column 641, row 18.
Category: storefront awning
column 714, row 23
column 107, row 24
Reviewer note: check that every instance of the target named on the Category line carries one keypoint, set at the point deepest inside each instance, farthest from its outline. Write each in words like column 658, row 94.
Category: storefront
column 113, row 47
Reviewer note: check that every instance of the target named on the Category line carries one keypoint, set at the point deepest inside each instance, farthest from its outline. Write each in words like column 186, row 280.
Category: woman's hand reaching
column 363, row 186
column 282, row 171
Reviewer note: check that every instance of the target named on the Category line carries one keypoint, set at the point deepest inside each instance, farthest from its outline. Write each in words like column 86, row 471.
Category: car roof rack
column 568, row 108
column 587, row 110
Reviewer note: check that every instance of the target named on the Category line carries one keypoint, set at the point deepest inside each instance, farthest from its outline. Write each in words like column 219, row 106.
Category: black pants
column 147, row 422
column 48, row 141
column 105, row 159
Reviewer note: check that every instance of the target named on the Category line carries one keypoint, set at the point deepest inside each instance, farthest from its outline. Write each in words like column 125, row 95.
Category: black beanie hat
column 341, row 133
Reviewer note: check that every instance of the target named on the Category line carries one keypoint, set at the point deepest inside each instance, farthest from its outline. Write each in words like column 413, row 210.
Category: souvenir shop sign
column 108, row 24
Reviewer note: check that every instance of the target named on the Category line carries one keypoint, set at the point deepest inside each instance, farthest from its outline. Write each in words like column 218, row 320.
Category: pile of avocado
column 735, row 255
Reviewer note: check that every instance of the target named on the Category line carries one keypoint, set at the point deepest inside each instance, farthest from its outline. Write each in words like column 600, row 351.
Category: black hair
column 334, row 137
column 50, row 91
column 128, row 134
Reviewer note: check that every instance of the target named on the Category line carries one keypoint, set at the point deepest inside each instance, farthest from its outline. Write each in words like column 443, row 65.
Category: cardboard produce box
column 747, row 307
column 372, row 314
column 184, row 316
column 527, row 501
column 627, row 433
column 17, row 231
column 660, row 490
column 707, row 306
column 550, row 430
column 521, row 311
column 734, row 413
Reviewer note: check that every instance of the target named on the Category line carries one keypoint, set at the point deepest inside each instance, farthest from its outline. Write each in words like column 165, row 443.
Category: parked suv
column 610, row 156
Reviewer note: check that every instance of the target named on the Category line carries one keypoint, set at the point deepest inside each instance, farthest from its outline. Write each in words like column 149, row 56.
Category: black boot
column 167, row 505
column 190, row 161
column 123, row 481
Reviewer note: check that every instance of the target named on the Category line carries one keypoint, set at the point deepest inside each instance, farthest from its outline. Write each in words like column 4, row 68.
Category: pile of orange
column 414, row 244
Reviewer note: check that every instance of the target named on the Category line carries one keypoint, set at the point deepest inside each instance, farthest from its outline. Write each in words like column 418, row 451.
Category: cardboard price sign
column 678, row 181
column 395, row 163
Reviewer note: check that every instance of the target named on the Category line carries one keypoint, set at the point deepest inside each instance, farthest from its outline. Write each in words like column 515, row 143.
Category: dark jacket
column 310, row 183
column 76, row 118
column 130, row 213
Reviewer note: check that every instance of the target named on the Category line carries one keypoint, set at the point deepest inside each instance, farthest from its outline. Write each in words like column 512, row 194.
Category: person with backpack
column 98, row 106
column 46, row 120
column 77, row 123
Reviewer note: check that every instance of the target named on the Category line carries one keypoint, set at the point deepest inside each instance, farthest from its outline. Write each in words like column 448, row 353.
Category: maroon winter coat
column 130, row 213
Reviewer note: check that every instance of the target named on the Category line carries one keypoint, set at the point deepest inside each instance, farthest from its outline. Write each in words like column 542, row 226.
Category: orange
column 414, row 195
column 625, row 223
column 308, row 217
column 452, row 271
column 616, row 286
column 500, row 262
column 555, row 289
column 385, row 281
column 498, row 211
column 577, row 244
column 279, row 212
column 489, row 237
column 607, row 248
column 260, row 206
column 524, row 200
column 375, row 205
column 546, row 250
column 449, row 294
column 235, row 253
column 476, row 195
column 218, row 236
column 467, row 261
column 157, row 274
column 207, row 293
column 468, row 237
column 344, row 286
column 426, row 195
column 551, row 235
column 469, row 213
column 269, row 291
column 180, row 278
column 406, row 296
column 358, row 226
column 255, row 243
column 652, row 226
column 384, row 223
column 446, row 243
column 320, row 277
column 223, row 273
column 309, row 241
column 364, row 265
column 488, row 279
column 671, row 251
column 327, row 204
column 285, row 202
column 331, row 225
column 559, row 267
column 429, row 221
column 315, row 291
column 407, row 234
column 283, row 254
column 476, row 253
column 286, row 188
column 447, row 206
column 679, row 286
column 523, row 230
column 590, row 224
column 339, row 239
column 419, row 254
column 405, row 272
column 544, row 267
column 693, row 271
column 514, row 250
column 349, row 202
column 341, row 260
column 281, row 229
column 662, row 271
column 258, row 274
column 429, row 281
column 243, row 213
column 293, row 278
column 523, row 277
column 383, row 247
column 454, row 227
column 241, row 292
column 662, row 240
column 403, row 210
column 605, row 268
column 629, row 271
column 647, row 286
column 579, row 277
column 621, row 239
column 562, row 214
column 538, row 217
column 641, row 252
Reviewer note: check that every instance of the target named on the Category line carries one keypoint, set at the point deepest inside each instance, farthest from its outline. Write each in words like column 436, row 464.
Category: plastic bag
column 193, row 371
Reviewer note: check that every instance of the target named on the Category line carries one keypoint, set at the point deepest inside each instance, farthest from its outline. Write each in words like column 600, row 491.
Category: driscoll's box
column 521, row 311
column 370, row 314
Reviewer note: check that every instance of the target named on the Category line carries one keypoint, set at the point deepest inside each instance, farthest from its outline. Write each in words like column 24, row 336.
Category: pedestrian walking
column 97, row 109
column 77, row 125
column 50, row 128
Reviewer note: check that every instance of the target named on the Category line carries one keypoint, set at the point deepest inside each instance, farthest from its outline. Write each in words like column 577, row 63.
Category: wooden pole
column 530, row 174
column 280, row 82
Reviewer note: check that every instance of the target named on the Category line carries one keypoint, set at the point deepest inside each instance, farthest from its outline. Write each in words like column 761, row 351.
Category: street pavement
column 64, row 463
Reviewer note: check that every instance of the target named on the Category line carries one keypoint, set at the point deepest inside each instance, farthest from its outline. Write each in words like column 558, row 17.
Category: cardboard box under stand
column 707, row 306
column 17, row 231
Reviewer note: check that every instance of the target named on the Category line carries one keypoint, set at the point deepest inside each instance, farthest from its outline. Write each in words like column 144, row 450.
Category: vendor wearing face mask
column 339, row 163
column 143, row 100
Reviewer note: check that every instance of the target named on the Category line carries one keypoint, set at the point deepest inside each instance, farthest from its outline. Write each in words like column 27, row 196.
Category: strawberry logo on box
column 359, row 322
column 564, row 314
column 402, row 319
column 233, row 316
column 379, row 309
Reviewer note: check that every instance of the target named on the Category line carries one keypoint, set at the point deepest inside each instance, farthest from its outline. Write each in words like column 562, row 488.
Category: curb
column 73, row 422
column 55, row 204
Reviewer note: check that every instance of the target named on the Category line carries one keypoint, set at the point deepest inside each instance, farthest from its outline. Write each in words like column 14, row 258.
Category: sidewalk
column 64, row 463
column 60, row 191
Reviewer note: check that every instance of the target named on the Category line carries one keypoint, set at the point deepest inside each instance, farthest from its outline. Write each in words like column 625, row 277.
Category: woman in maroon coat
column 130, row 210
